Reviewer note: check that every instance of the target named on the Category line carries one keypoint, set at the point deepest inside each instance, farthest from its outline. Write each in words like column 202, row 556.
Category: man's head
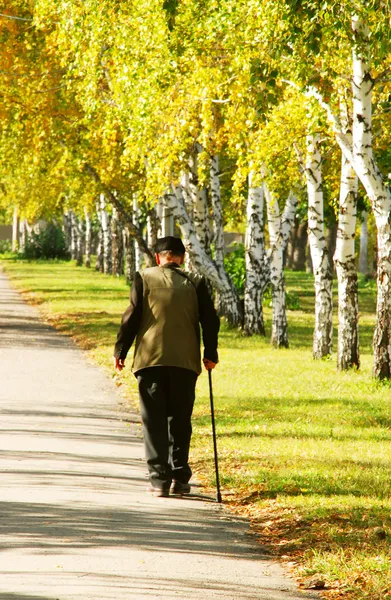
column 169, row 249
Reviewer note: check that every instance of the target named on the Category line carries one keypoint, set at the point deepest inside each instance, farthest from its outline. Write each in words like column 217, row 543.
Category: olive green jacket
column 167, row 307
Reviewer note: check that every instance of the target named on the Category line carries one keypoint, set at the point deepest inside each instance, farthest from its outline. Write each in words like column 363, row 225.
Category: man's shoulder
column 149, row 271
column 195, row 278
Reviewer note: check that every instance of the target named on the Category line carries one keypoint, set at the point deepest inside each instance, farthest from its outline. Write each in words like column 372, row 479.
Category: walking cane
column 212, row 412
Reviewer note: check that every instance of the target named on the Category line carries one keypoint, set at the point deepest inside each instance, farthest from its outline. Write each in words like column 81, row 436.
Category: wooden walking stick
column 212, row 412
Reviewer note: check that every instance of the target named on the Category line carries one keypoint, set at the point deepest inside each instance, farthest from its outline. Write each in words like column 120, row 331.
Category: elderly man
column 167, row 306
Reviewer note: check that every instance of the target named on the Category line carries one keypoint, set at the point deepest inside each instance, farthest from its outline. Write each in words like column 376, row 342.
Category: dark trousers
column 166, row 402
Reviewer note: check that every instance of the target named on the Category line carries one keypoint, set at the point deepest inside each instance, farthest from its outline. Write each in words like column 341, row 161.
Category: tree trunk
column 99, row 249
column 363, row 258
column 290, row 250
column 73, row 235
column 87, row 239
column 79, row 241
column 331, row 240
column 106, row 235
column 199, row 203
column 129, row 255
column 116, row 243
column 379, row 195
column 348, row 345
column 152, row 229
column 298, row 259
column 320, row 260
column 138, row 255
column 25, row 234
column 217, row 220
column 228, row 295
column 224, row 301
column 279, row 336
column 15, row 230
column 257, row 275
column 67, row 229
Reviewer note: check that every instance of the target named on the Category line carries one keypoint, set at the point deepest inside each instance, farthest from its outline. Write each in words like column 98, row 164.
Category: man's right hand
column 208, row 364
column 119, row 363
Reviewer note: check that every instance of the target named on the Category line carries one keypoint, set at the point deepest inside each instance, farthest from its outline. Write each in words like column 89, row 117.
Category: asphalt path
column 75, row 519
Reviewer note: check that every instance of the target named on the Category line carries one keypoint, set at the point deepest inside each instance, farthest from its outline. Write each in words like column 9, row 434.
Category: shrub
column 5, row 246
column 48, row 243
column 235, row 265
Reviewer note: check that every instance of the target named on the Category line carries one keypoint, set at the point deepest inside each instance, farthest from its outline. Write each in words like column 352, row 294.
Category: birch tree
column 257, row 271
column 344, row 260
column 322, row 344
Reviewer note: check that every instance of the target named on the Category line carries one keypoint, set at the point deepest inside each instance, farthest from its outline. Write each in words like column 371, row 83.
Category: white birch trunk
column 116, row 243
column 15, row 230
column 257, row 272
column 88, row 237
column 199, row 203
column 359, row 151
column 67, row 229
column 152, row 229
column 138, row 255
column 226, row 305
column 279, row 336
column 25, row 234
column 322, row 345
column 79, row 241
column 379, row 195
column 73, row 235
column 129, row 255
column 288, row 218
column 363, row 257
column 167, row 222
column 217, row 220
column 106, row 235
column 348, row 344
column 202, row 262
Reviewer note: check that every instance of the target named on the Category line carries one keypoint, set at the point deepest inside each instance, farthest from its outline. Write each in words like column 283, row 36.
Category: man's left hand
column 208, row 364
column 119, row 363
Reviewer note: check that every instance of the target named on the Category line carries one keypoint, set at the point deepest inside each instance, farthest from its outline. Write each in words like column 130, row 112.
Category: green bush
column 235, row 265
column 5, row 246
column 48, row 243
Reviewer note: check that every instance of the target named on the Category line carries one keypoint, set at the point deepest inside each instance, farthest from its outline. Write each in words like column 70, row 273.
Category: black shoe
column 180, row 489
column 159, row 492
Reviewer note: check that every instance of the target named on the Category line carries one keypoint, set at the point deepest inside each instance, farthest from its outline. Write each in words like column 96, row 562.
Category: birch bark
column 88, row 238
column 363, row 257
column 322, row 344
column 279, row 336
column 15, row 230
column 116, row 243
column 202, row 262
column 199, row 203
column 106, row 237
column 227, row 303
column 152, row 229
column 257, row 272
column 348, row 344
column 129, row 255
column 138, row 257
column 73, row 235
column 379, row 195
column 359, row 151
column 79, row 241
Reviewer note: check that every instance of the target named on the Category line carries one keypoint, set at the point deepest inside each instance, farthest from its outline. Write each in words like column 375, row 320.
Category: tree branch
column 136, row 232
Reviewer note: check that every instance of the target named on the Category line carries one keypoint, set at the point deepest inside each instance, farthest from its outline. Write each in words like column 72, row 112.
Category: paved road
column 75, row 521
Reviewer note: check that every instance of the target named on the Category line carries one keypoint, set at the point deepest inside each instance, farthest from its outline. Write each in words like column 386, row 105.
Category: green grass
column 304, row 449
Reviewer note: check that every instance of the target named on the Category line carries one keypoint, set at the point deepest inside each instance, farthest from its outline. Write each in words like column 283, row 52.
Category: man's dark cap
column 170, row 244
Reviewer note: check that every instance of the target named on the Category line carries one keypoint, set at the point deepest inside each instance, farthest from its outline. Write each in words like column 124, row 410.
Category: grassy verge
column 304, row 450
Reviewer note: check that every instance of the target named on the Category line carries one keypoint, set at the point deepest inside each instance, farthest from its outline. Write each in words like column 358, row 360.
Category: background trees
column 127, row 117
